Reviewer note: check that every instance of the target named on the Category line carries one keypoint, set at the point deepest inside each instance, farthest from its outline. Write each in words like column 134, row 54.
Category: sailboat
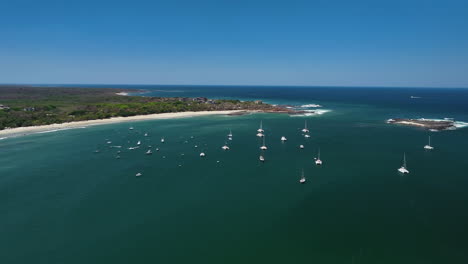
column 301, row 146
column 428, row 146
column 283, row 139
column 261, row 158
column 307, row 136
column 318, row 161
column 225, row 147
column 146, row 134
column 305, row 130
column 403, row 168
column 303, row 179
column 149, row 152
column 130, row 128
column 138, row 174
column 202, row 154
column 263, row 147
column 230, row 133
column 162, row 140
column 260, row 130
column 138, row 143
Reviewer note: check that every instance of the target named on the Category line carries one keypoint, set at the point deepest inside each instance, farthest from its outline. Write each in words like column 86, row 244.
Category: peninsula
column 27, row 107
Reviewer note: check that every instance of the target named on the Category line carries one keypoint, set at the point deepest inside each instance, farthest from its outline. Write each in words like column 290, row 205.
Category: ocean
column 61, row 202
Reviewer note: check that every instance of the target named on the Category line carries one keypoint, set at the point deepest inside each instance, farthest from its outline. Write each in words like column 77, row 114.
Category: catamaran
column 283, row 139
column 260, row 130
column 428, row 146
column 263, row 147
column 403, row 168
column 305, row 130
column 318, row 161
column 303, row 179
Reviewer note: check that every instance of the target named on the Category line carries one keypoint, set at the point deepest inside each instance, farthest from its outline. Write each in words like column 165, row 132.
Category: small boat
column 318, row 161
column 283, row 139
column 138, row 174
column 307, row 136
column 146, row 134
column 230, row 133
column 230, row 138
column 109, row 142
column 162, row 140
column 403, row 168
column 301, row 146
column 157, row 149
column 263, row 147
column 196, row 146
column 428, row 146
column 225, row 147
column 260, row 135
column 138, row 143
column 303, row 179
column 202, row 154
column 305, row 130
column 261, row 158
column 149, row 152
column 130, row 128
column 260, row 130
column 132, row 148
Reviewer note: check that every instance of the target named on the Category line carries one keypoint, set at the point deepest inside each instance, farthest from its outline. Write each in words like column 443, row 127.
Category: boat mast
column 404, row 160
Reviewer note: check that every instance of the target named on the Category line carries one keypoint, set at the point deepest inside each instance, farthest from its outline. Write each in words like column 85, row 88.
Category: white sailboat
column 403, row 168
column 305, row 129
column 428, row 146
column 230, row 133
column 202, row 154
column 318, row 161
column 138, row 174
column 263, row 147
column 301, row 146
column 130, row 128
column 307, row 136
column 260, row 130
column 261, row 158
column 283, row 139
column 225, row 147
column 260, row 135
column 162, row 140
column 146, row 134
column 138, row 143
column 303, row 179
column 149, row 152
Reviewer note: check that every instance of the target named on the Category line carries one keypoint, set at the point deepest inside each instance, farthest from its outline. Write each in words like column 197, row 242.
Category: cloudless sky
column 420, row 43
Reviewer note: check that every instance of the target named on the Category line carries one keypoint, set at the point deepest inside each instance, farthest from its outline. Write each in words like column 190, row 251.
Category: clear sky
column 337, row 43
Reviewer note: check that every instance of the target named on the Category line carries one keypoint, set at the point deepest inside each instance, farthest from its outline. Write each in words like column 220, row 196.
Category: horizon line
column 241, row 85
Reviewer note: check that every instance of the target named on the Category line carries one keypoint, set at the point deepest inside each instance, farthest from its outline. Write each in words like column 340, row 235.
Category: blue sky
column 256, row 42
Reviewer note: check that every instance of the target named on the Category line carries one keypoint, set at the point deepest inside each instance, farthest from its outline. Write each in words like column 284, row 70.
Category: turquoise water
column 63, row 203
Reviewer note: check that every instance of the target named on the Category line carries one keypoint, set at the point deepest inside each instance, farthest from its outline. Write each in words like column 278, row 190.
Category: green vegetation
column 30, row 106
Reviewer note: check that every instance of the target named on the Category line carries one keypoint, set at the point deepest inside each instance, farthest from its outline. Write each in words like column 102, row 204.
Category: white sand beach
column 21, row 131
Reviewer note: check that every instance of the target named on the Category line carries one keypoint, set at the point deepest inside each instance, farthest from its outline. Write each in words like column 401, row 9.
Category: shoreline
column 23, row 131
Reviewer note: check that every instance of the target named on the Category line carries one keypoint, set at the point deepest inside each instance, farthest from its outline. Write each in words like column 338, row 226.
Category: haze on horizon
column 412, row 43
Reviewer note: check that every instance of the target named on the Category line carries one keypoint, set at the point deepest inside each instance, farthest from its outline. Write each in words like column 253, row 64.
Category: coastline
column 22, row 131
